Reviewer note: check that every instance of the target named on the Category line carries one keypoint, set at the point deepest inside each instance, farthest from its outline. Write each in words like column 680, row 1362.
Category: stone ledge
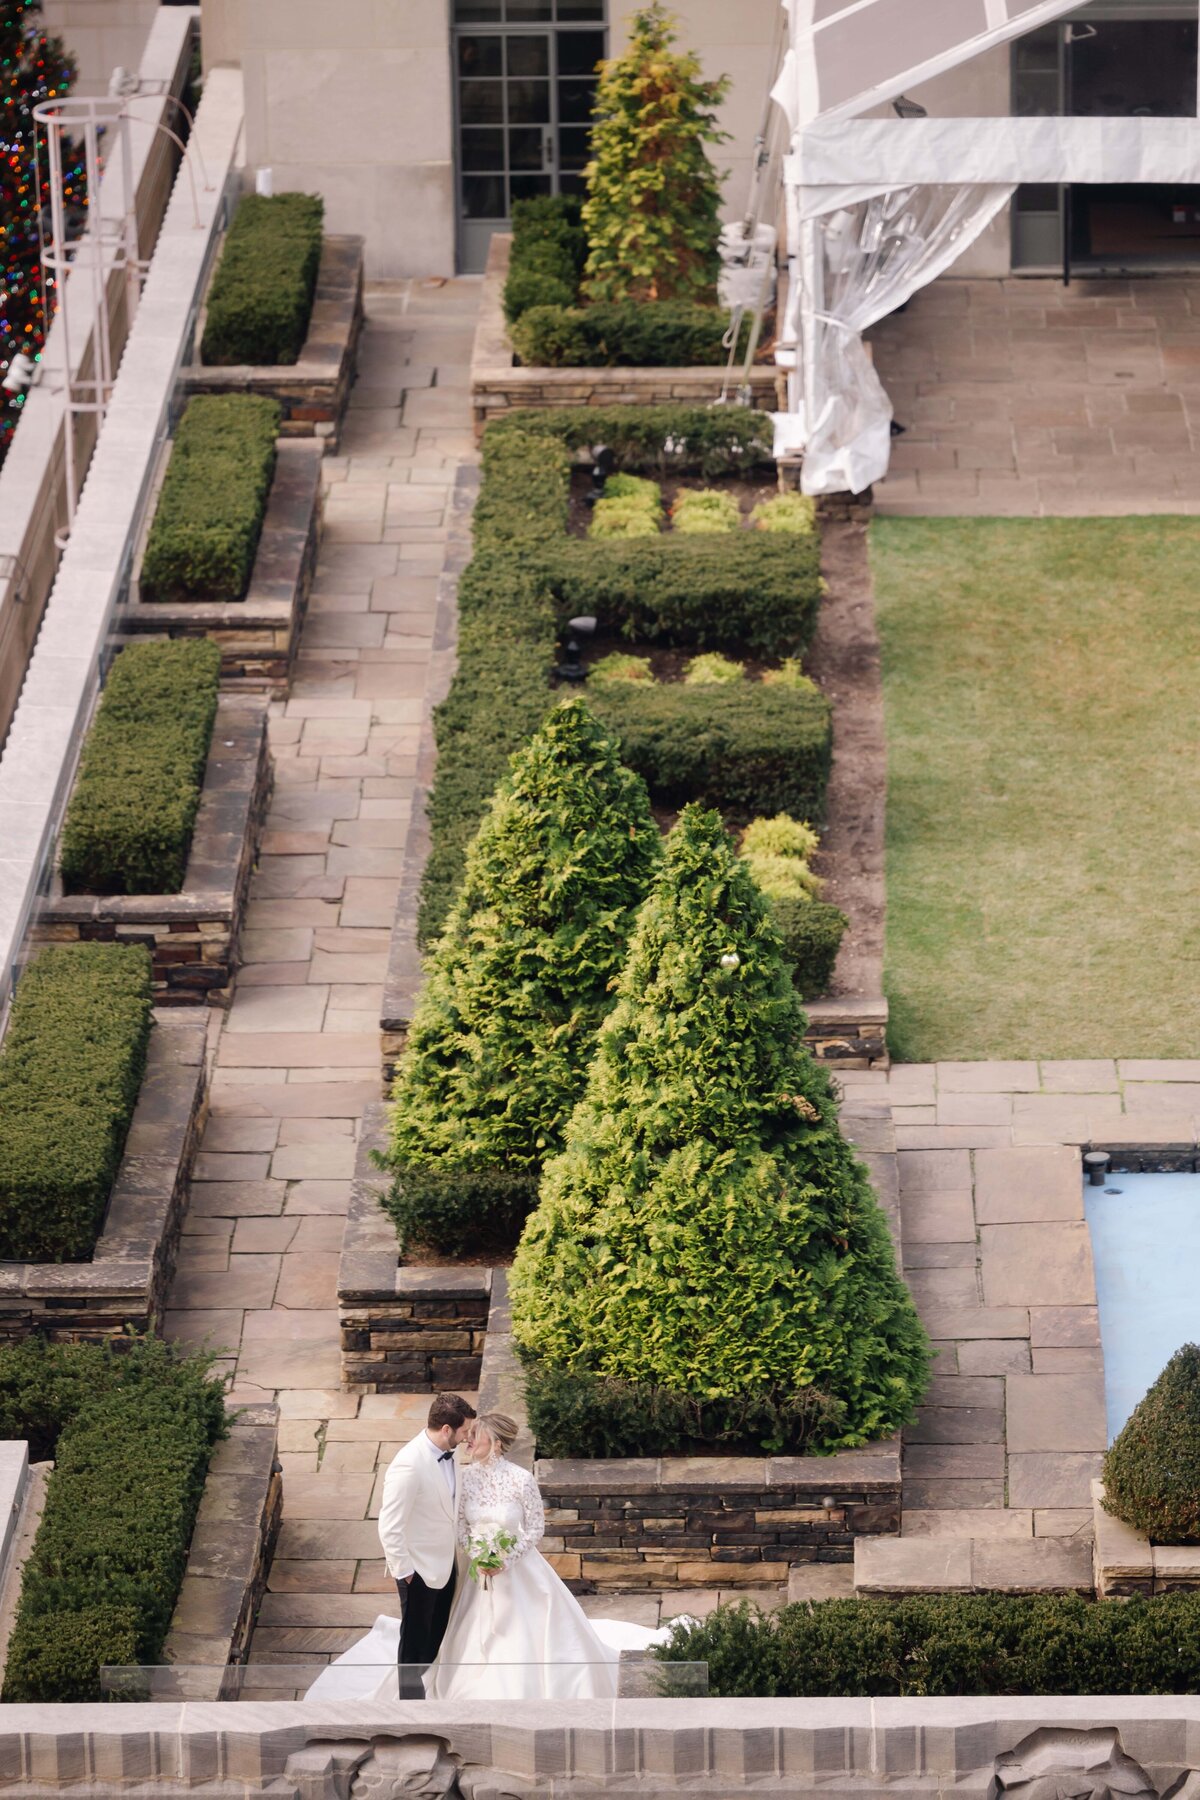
column 993, row 1565
column 499, row 385
column 1126, row 1562
column 193, row 935
column 231, row 1548
column 313, row 391
column 260, row 634
column 124, row 1287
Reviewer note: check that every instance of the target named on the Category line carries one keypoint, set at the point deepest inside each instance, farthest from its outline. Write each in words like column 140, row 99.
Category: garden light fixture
column 571, row 668
column 1096, row 1163
column 604, row 461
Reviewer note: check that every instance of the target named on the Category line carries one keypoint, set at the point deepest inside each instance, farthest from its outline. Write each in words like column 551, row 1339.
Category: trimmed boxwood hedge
column 129, row 824
column 210, row 512
column 70, row 1069
column 526, row 576
column 1152, row 1467
column 547, row 256
column 131, row 1426
column 662, row 334
column 949, row 1644
column 740, row 747
column 262, row 293
column 812, row 933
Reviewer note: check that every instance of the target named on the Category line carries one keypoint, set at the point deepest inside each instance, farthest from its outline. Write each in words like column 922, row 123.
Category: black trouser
column 424, row 1615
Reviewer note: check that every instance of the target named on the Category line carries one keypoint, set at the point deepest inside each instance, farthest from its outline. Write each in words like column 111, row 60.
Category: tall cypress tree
column 707, row 1230
column 518, row 985
column 34, row 66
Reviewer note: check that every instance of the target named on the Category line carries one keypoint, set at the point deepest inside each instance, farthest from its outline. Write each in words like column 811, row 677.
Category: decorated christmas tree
column 707, row 1260
column 518, row 985
column 653, row 196
column 34, row 66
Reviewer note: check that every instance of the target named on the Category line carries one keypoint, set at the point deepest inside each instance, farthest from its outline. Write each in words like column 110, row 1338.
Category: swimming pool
column 1145, row 1232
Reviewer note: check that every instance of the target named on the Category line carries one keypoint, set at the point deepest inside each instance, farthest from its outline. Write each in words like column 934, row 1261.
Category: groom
column 417, row 1520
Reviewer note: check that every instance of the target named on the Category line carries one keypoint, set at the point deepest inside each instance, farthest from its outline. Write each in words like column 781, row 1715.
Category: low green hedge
column 262, row 293
column 70, row 1069
column 526, row 576
column 129, row 824
column 663, row 334
column 575, row 1413
column 210, row 512
column 812, row 933
column 131, row 1427
column 943, row 1644
column 547, row 255
column 739, row 747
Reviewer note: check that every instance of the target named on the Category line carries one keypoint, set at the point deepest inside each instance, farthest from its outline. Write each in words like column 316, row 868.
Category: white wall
column 351, row 99
column 102, row 35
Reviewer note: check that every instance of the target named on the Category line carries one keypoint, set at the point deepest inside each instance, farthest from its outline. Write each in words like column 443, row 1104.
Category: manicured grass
column 1041, row 682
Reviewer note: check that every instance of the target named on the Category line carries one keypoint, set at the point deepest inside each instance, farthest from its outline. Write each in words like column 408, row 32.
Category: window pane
column 529, row 102
column 521, row 11
column 579, row 52
column 526, row 148
column 482, row 150
column 477, row 12
column 527, row 187
column 482, row 102
column 573, row 143
column 483, row 197
column 528, row 55
column 480, row 55
column 580, row 9
column 575, row 101
column 571, row 184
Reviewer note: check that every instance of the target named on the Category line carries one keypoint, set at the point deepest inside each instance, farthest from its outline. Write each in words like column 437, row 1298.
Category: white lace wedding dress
column 523, row 1637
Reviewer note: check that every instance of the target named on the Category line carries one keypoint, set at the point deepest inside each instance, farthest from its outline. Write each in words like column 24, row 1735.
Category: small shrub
column 634, row 487
column 548, row 248
column 793, row 513
column 776, row 851
column 949, row 1645
column 131, row 1426
column 780, row 836
column 70, row 1069
column 618, row 667
column 209, row 516
column 712, row 440
column 528, row 287
column 672, row 334
column 129, row 824
column 712, row 669
column 735, row 746
column 517, row 985
column 262, row 293
column 622, row 518
column 1152, row 1467
column 705, row 512
column 789, row 674
column 812, row 933
column 653, row 196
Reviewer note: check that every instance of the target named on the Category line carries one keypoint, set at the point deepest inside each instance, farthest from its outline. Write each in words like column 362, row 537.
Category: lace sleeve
column 533, row 1517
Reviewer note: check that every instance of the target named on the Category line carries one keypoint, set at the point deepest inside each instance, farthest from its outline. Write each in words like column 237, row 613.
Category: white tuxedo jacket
column 418, row 1515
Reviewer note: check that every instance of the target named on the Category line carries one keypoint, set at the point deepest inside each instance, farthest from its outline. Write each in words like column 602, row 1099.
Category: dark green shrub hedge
column 262, row 293
column 1152, row 1468
column 129, row 824
column 574, row 1413
column 744, row 591
column 812, row 933
column 712, row 440
column 663, row 334
column 546, row 259
column 740, row 747
column 210, row 512
column 70, row 1069
column 135, row 1423
column 943, row 1644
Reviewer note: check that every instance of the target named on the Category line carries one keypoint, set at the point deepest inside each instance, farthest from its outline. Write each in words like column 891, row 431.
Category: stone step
column 942, row 1565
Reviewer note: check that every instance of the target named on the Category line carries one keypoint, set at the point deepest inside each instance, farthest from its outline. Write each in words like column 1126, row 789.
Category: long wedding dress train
column 522, row 1637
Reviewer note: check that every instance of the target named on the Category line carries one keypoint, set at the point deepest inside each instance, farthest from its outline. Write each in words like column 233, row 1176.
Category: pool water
column 1145, row 1232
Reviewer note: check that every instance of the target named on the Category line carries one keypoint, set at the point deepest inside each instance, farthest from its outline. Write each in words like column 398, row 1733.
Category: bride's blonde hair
column 500, row 1427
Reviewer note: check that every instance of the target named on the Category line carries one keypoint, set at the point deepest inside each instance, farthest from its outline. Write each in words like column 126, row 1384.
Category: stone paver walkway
column 1026, row 397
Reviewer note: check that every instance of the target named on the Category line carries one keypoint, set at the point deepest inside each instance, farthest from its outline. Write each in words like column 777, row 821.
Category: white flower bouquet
column 488, row 1552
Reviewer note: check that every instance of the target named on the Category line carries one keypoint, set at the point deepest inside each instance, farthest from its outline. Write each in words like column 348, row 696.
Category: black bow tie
column 446, row 1456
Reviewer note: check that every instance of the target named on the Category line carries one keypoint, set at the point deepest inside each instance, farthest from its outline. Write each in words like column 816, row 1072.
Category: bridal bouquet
column 489, row 1551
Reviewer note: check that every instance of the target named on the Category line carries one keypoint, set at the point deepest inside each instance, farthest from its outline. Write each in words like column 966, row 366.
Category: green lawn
column 1042, row 691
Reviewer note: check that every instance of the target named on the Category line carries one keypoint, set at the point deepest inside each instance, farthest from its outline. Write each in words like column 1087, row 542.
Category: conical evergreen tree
column 1152, row 1469
column 518, row 985
column 707, row 1229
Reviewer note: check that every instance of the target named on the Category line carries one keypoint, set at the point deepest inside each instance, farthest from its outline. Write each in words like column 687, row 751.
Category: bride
column 517, row 1633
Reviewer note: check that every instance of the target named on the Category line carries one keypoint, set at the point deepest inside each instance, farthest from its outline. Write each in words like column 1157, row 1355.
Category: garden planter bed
column 1127, row 1563
column 230, row 1554
column 260, row 634
column 314, row 391
column 192, row 935
column 124, row 1287
column 499, row 385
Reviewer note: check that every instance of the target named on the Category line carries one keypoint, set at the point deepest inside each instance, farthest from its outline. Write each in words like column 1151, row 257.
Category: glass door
column 524, row 76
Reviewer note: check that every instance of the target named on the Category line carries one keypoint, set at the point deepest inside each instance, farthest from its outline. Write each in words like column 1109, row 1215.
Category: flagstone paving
column 1023, row 397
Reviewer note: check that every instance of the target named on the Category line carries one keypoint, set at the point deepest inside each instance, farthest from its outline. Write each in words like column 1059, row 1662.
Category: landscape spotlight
column 571, row 668
column 604, row 461
column 1096, row 1163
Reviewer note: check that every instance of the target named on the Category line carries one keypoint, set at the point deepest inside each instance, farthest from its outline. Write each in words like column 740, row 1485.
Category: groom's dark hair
column 449, row 1409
